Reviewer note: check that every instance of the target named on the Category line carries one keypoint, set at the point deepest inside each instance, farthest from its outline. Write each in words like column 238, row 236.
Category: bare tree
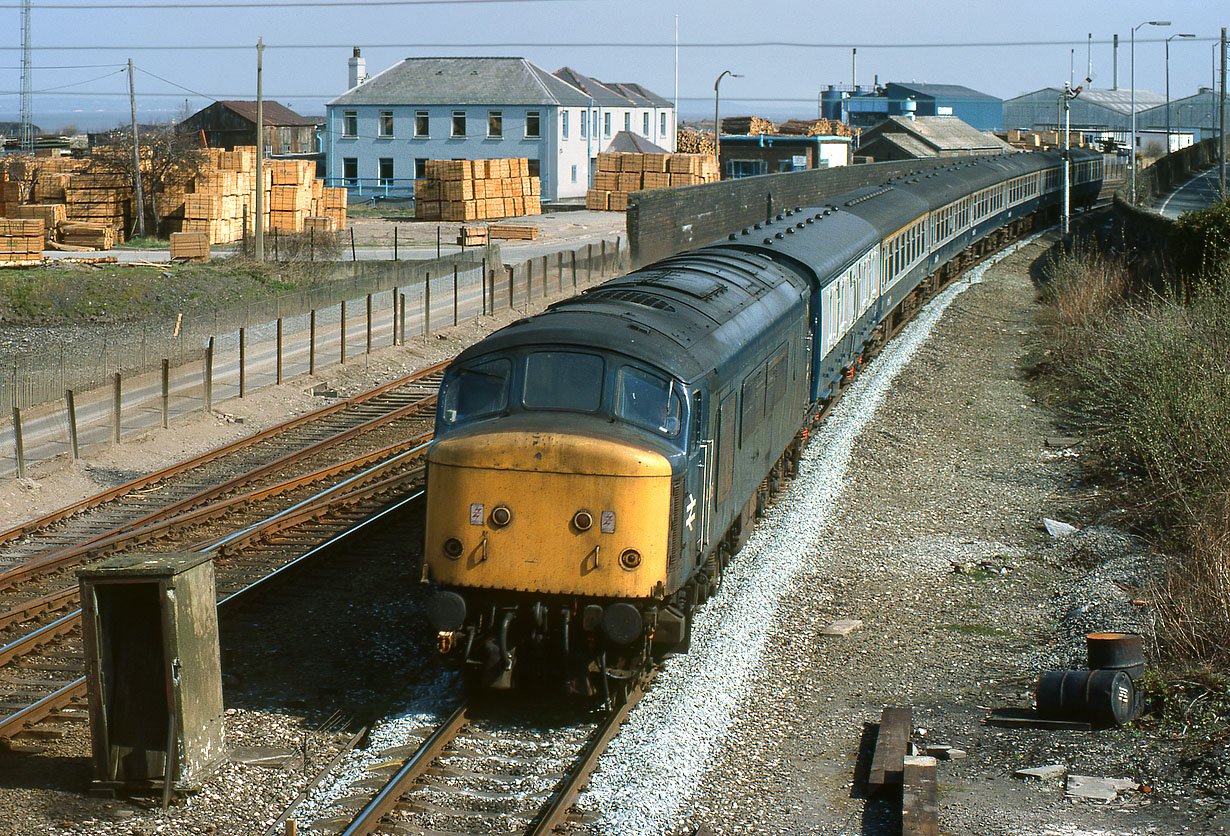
column 169, row 163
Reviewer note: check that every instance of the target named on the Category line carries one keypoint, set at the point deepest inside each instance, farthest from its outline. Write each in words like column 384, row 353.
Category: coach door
column 727, row 450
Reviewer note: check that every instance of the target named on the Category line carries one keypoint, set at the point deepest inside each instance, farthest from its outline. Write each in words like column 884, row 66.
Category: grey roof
column 592, row 87
column 643, row 92
column 463, row 81
column 630, row 143
column 1119, row 101
column 944, row 133
column 272, row 113
column 943, row 91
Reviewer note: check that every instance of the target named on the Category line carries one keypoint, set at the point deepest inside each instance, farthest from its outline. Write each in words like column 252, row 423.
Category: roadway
column 1200, row 192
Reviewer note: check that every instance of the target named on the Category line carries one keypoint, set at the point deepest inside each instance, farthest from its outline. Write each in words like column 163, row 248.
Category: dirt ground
column 935, row 543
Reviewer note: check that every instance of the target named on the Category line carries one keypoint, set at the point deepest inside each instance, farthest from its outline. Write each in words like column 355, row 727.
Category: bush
column 1201, row 241
column 296, row 246
column 1080, row 287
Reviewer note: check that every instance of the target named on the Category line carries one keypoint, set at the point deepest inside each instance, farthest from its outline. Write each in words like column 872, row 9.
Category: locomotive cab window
column 566, row 380
column 477, row 392
column 649, row 401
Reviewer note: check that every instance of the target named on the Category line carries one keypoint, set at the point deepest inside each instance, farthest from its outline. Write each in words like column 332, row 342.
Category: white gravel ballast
column 648, row 775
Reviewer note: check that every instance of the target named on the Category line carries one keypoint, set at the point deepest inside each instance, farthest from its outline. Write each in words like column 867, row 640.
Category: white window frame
column 458, row 114
column 495, row 118
column 350, row 123
column 386, row 121
column 426, row 117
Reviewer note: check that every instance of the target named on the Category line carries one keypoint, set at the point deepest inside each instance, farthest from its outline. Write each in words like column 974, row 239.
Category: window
column 422, row 123
column 386, row 171
column 477, row 392
column 649, row 401
column 350, row 170
column 533, row 124
column 627, row 121
column 584, row 124
column 565, row 380
column 495, row 124
column 350, row 123
column 563, row 124
column 386, row 123
column 574, row 174
column 663, row 131
column 420, row 168
column 459, row 123
column 533, row 167
column 606, row 123
column 645, row 123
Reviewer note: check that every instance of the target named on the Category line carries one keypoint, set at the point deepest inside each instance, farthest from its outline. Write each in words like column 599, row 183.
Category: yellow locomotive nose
column 552, row 513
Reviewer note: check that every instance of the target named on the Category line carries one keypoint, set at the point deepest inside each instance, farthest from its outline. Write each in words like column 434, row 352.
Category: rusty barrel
column 1103, row 698
column 1116, row 651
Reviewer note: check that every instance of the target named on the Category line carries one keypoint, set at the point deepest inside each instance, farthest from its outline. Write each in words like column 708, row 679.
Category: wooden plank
column 920, row 811
column 892, row 741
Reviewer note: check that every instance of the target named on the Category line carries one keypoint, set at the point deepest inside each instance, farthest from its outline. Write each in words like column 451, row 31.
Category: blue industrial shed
column 867, row 108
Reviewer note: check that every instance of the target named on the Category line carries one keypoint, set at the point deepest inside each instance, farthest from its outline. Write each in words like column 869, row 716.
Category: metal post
column 166, row 393
column 312, row 342
column 259, row 224
column 484, row 283
column 243, row 350
column 19, row 447
column 393, row 321
column 369, row 323
column 589, row 263
column 455, row 291
column 72, row 422
column 437, row 241
column 353, row 257
column 529, row 278
column 544, row 277
column 116, row 406
column 342, row 327
column 279, row 360
column 427, row 305
column 512, row 274
column 395, row 243
column 208, row 381
column 403, row 319
column 602, row 260
column 1067, row 149
column 559, row 271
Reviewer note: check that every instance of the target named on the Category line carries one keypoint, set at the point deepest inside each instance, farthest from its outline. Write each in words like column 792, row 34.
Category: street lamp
column 1065, row 102
column 1132, row 71
column 717, row 126
column 1168, row 40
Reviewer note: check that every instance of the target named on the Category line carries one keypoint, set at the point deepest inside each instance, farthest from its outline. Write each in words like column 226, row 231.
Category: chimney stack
column 358, row 70
column 1115, row 76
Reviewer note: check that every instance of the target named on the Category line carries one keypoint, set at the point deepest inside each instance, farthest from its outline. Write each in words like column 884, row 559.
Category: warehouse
column 901, row 138
column 1105, row 112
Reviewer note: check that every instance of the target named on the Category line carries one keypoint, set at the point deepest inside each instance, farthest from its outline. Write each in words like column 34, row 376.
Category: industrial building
column 902, row 138
column 227, row 124
column 1197, row 115
column 867, row 107
column 1105, row 113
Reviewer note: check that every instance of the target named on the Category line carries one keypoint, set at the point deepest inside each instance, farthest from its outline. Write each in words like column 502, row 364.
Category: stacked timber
column 90, row 236
column 746, row 125
column 471, row 190
column 190, row 246
column 21, row 240
column 688, row 141
column 53, row 216
column 814, row 127
column 100, row 198
column 619, row 175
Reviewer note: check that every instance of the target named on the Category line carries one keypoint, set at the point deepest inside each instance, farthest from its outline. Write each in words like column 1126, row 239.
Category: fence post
column 615, row 265
column 395, row 246
column 602, row 261
column 279, row 380
column 544, row 277
column 312, row 342
column 403, row 319
column 312, row 244
column 427, row 305
column 512, row 274
column 19, row 447
column 275, row 243
column 243, row 350
column 369, row 323
column 589, row 263
column 116, row 406
column 574, row 269
column 342, row 347
column 529, row 284
column 166, row 392
column 393, row 321
column 483, row 280
column 208, row 381
column 454, row 295
column 72, row 422
column 437, row 242
column 559, row 271
column 353, row 257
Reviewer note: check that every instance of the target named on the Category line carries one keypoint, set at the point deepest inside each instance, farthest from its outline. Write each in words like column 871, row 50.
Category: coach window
column 649, row 401
column 567, row 380
column 477, row 392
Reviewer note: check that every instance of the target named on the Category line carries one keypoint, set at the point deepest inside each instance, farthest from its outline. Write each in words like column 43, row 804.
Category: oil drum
column 1116, row 651
column 1102, row 698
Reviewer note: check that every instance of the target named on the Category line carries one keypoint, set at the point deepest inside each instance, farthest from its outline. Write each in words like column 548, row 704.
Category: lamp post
column 1168, row 40
column 1132, row 73
column 717, row 126
column 1065, row 101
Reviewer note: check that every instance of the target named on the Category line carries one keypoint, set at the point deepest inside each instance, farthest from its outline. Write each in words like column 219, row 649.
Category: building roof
column 939, row 133
column 463, row 81
column 602, row 94
column 1119, row 101
column 630, row 143
column 639, row 95
column 942, row 91
column 273, row 113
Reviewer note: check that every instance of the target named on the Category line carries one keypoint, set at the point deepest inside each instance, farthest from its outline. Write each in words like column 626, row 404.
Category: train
column 596, row 466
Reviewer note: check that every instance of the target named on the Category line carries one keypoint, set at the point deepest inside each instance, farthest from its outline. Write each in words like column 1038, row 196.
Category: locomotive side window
column 566, row 380
column 649, row 401
column 477, row 392
column 775, row 385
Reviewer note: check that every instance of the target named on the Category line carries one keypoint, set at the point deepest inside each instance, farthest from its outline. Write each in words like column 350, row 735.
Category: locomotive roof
column 686, row 314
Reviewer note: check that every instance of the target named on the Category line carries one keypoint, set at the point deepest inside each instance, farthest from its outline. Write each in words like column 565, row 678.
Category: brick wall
column 667, row 221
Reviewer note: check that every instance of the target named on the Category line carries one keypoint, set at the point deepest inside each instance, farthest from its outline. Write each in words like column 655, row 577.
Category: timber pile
column 100, row 198
column 53, row 216
column 512, row 233
column 91, row 236
column 814, row 127
column 472, row 190
column 688, row 141
column 21, row 240
column 190, row 246
column 746, row 125
column 619, row 175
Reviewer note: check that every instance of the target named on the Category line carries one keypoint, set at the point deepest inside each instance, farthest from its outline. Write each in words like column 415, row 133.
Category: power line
column 67, row 67
column 297, row 4
column 182, row 87
column 76, row 83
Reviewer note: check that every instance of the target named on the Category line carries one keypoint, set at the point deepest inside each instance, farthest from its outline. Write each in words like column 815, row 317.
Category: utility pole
column 136, row 152
column 1221, row 133
column 259, row 223
column 27, row 116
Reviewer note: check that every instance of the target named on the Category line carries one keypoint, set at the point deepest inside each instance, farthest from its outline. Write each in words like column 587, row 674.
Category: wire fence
column 149, row 379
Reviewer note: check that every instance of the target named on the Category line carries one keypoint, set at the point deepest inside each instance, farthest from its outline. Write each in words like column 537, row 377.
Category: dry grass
column 1082, row 288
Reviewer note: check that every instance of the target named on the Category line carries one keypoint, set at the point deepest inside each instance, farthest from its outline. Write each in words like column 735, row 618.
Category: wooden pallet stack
column 21, row 240
column 53, row 216
column 190, row 246
column 746, row 126
column 471, row 190
column 100, row 198
column 619, row 175
column 88, row 236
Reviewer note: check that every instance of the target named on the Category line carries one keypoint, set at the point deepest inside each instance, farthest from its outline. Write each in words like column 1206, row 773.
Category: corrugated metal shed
column 1091, row 110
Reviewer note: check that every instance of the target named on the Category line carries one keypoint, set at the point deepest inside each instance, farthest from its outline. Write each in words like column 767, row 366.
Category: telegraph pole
column 1221, row 133
column 259, row 223
column 136, row 152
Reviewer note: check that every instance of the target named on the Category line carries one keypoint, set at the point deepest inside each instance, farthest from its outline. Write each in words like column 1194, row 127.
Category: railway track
column 485, row 769
column 291, row 494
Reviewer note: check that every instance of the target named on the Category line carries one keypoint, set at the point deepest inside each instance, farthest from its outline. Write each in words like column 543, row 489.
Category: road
column 1200, row 192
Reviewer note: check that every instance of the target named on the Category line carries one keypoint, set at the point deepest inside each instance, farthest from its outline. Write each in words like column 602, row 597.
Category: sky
column 190, row 52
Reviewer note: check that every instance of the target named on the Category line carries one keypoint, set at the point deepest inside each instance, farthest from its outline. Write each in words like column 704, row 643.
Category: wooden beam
column 920, row 812
column 892, row 742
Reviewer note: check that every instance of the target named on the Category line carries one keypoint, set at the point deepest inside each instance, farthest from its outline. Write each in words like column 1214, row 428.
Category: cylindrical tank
column 1116, row 651
column 1103, row 698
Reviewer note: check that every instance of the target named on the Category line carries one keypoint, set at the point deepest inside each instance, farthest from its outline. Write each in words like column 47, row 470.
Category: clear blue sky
column 896, row 41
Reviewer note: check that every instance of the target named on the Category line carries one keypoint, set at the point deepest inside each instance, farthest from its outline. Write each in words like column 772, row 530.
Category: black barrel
column 1103, row 698
column 1117, row 651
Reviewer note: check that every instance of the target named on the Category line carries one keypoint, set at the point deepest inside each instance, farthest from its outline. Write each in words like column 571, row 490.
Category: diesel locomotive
column 595, row 466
